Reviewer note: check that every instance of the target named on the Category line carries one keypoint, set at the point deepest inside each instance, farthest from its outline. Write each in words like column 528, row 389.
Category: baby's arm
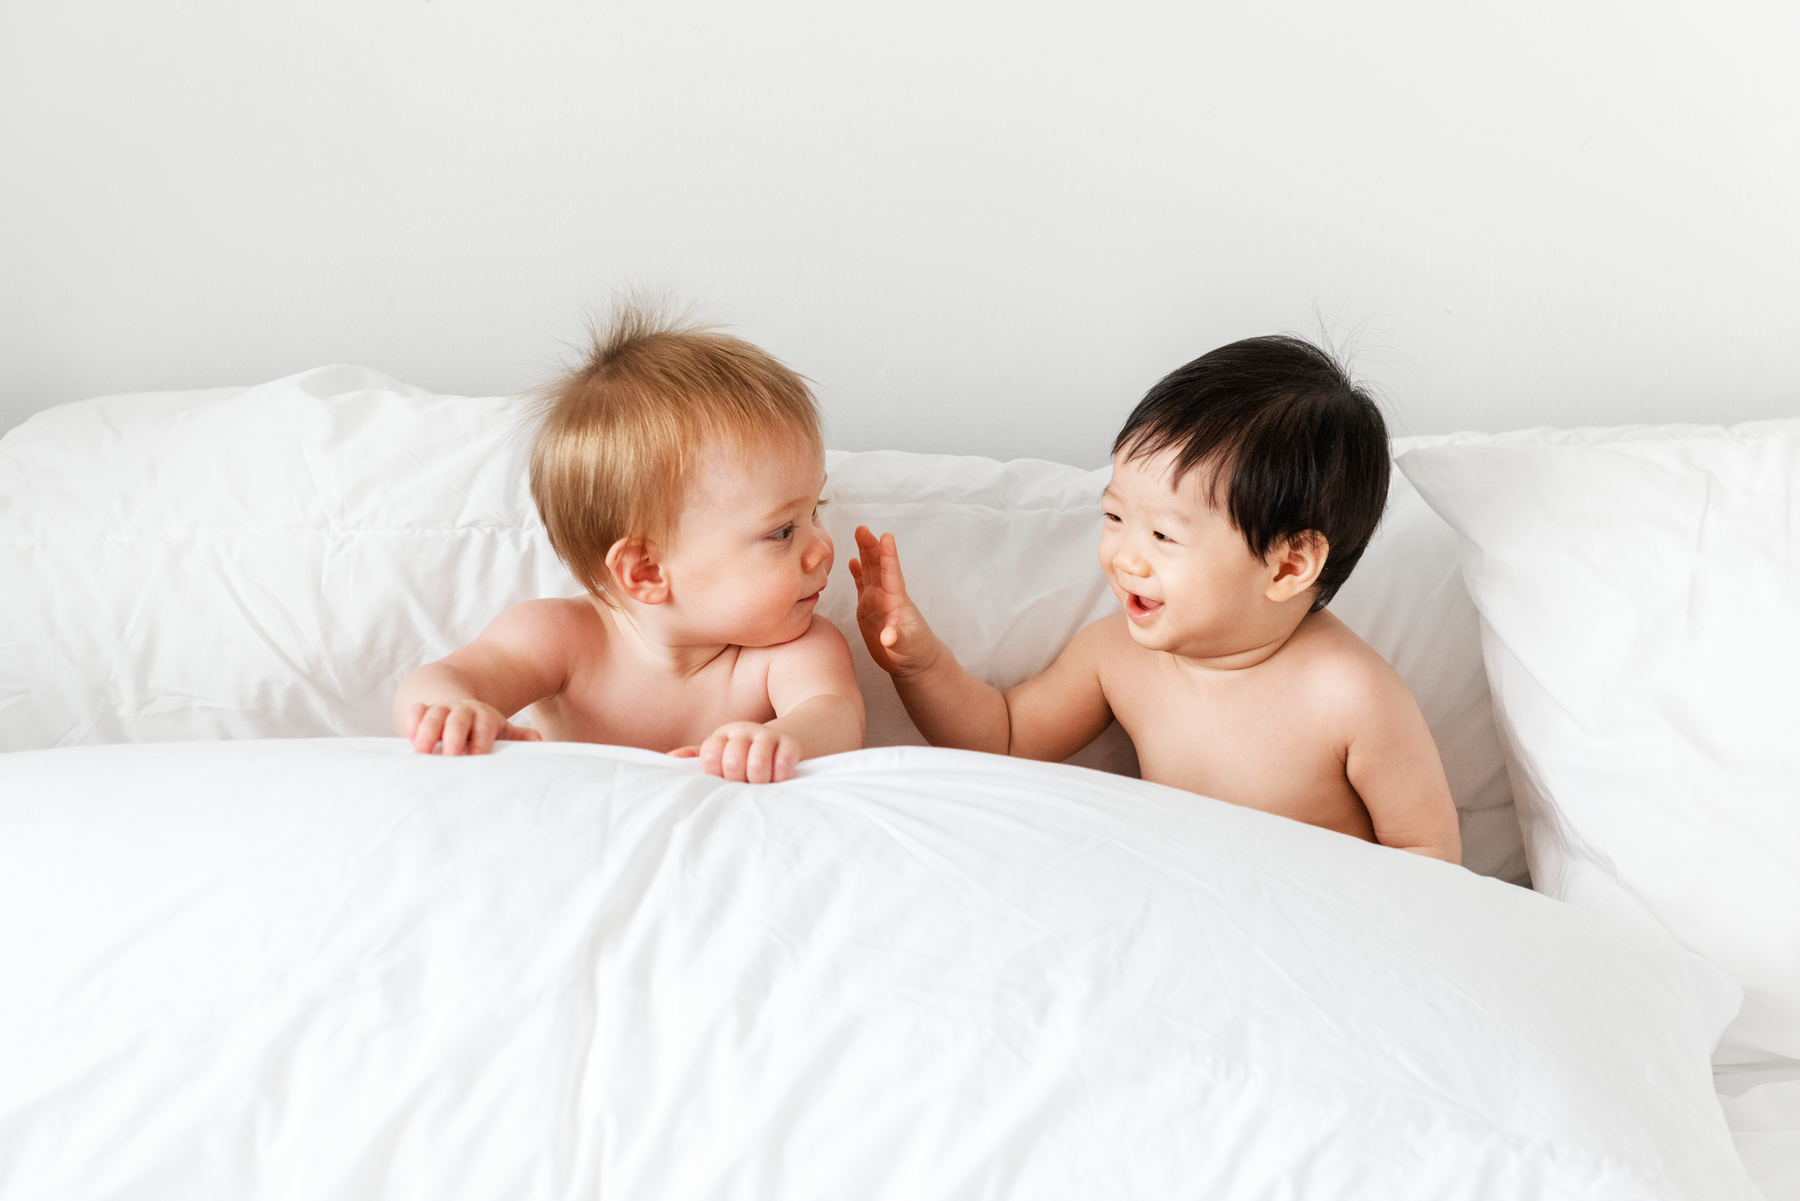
column 465, row 697
column 818, row 711
column 1393, row 764
column 1050, row 716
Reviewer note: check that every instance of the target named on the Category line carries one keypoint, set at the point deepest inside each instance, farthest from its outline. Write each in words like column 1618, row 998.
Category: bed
column 250, row 947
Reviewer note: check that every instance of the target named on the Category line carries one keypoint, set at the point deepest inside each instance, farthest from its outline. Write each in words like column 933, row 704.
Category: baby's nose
column 1127, row 560
column 817, row 551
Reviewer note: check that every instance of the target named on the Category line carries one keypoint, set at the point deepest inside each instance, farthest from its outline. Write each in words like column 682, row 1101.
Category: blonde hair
column 618, row 435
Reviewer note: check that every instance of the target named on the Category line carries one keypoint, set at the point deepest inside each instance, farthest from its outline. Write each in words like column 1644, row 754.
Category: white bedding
column 270, row 562
column 1762, row 1107
column 334, row 969
column 1643, row 663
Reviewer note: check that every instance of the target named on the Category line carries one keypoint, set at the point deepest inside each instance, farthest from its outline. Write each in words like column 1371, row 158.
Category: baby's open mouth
column 1141, row 606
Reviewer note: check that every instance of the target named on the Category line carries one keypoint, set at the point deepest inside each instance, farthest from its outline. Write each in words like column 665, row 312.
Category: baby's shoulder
column 821, row 639
column 554, row 615
column 818, row 658
column 1106, row 637
column 1340, row 670
column 1106, row 648
column 561, row 629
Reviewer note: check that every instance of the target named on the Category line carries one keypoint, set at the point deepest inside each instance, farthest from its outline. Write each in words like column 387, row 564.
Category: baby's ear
column 632, row 563
column 1295, row 563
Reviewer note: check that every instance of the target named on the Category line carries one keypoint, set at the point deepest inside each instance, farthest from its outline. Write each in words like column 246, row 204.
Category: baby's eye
column 1112, row 517
column 1162, row 537
column 784, row 533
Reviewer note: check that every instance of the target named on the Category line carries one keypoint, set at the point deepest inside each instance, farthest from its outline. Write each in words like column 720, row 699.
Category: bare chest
column 609, row 702
column 1257, row 742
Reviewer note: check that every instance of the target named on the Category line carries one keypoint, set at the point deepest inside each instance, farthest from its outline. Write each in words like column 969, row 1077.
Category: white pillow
column 1638, row 611
column 271, row 561
column 245, row 563
column 338, row 969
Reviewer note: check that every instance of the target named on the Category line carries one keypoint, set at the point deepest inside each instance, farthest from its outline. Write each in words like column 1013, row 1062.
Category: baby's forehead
column 756, row 457
column 1152, row 483
column 747, row 479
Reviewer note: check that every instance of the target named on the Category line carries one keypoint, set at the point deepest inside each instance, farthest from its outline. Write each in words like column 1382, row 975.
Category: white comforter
column 332, row 969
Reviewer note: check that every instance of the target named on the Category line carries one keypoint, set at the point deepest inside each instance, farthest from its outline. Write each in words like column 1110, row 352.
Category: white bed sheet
column 332, row 968
column 1762, row 1108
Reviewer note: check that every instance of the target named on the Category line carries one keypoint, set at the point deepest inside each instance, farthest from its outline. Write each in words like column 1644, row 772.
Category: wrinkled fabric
column 339, row 969
column 1637, row 603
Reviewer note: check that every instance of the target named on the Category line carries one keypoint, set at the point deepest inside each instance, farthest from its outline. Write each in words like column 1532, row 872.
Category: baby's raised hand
column 892, row 626
column 465, row 727
column 747, row 752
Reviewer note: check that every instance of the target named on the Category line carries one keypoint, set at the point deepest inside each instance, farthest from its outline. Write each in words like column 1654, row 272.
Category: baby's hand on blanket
column 466, row 727
column 747, row 752
column 892, row 626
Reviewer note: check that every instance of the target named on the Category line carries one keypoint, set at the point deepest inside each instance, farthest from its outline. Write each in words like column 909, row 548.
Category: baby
column 678, row 474
column 1244, row 489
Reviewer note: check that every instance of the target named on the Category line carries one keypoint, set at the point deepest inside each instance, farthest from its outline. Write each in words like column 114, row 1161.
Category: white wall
column 979, row 227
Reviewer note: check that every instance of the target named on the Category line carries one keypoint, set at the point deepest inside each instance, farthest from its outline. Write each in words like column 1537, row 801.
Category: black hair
column 1295, row 443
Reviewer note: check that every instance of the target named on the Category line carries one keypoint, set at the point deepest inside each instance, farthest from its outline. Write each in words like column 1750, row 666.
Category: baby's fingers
column 457, row 729
column 759, row 759
column 428, row 727
column 891, row 578
column 772, row 758
column 878, row 564
column 734, row 758
column 866, row 567
column 712, row 753
column 484, row 727
column 866, row 542
column 787, row 760
column 747, row 753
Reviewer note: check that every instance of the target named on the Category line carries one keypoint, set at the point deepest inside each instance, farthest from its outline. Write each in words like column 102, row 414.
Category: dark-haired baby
column 1244, row 488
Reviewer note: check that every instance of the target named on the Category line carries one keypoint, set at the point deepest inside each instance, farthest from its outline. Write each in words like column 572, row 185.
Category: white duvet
column 333, row 969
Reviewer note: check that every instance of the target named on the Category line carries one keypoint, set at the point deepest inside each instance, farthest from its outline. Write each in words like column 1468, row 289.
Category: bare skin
column 712, row 649
column 1227, row 682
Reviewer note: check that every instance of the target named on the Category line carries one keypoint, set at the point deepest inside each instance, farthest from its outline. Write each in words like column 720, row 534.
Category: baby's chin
column 772, row 633
column 1163, row 635
column 1151, row 638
